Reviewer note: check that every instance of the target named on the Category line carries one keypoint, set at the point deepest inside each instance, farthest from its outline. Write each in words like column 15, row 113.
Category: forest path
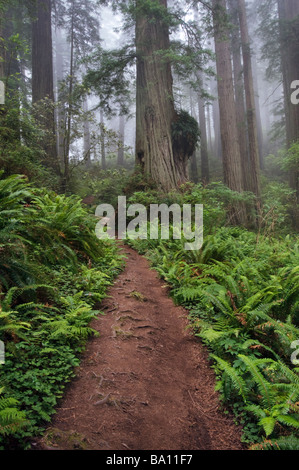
column 145, row 383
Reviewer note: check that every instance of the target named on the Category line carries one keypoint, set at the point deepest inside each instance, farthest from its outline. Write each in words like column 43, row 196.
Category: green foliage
column 291, row 160
column 242, row 291
column 109, row 76
column 279, row 208
column 104, row 186
column 62, row 224
column 185, row 133
column 11, row 418
column 283, row 443
column 21, row 139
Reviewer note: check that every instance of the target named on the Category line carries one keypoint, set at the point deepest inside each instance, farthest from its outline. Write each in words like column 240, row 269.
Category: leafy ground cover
column 54, row 273
column 242, row 291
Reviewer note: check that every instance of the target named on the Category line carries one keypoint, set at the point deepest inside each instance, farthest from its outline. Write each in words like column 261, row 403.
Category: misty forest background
column 164, row 102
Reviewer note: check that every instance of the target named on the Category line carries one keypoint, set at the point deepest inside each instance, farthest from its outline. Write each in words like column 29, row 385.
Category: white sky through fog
column 109, row 22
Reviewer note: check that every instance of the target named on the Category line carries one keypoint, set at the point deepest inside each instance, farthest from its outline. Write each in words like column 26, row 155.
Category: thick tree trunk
column 217, row 148
column 69, row 112
column 193, row 167
column 42, row 75
column 239, row 92
column 289, row 33
column 120, row 152
column 60, row 116
column 42, row 62
column 254, row 157
column 284, row 50
column 229, row 133
column 155, row 111
column 209, row 126
column 258, row 112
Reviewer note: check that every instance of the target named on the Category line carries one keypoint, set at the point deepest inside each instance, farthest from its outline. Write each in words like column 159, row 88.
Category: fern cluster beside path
column 145, row 383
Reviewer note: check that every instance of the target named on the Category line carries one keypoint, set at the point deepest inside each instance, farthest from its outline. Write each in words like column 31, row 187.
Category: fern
column 187, row 294
column 11, row 418
column 289, row 421
column 281, row 443
column 268, row 423
column 263, row 386
column 237, row 380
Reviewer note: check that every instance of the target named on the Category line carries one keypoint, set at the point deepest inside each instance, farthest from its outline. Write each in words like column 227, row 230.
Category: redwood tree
column 228, row 121
column 254, row 157
column 205, row 171
column 289, row 34
column 42, row 75
column 239, row 90
column 160, row 154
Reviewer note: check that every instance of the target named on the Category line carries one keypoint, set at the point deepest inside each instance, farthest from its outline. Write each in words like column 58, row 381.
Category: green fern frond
column 268, row 423
column 264, row 387
column 237, row 380
column 280, row 443
column 11, row 418
column 288, row 420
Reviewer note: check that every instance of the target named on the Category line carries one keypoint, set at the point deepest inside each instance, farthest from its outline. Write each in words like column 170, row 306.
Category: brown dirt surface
column 145, row 383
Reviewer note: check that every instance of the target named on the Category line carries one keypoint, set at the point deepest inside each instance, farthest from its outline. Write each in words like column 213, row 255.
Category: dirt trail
column 145, row 383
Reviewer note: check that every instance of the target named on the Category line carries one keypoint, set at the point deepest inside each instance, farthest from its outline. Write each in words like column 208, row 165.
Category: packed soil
column 145, row 383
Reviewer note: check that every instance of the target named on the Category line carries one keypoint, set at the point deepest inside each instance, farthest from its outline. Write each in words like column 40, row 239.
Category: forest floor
column 145, row 383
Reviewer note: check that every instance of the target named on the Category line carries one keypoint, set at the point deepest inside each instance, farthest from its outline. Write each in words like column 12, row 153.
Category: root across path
column 145, row 383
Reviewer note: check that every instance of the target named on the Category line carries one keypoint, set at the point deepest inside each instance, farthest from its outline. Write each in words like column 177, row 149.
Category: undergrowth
column 54, row 273
column 242, row 293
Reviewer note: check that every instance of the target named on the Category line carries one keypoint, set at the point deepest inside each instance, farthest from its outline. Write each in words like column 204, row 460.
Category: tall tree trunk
column 229, row 133
column 155, row 111
column 86, row 136
column 205, row 171
column 194, row 168
column 42, row 75
column 120, row 152
column 42, row 61
column 103, row 149
column 289, row 31
column 209, row 126
column 217, row 149
column 60, row 116
column 254, row 157
column 239, row 92
column 284, row 52
column 260, row 134
column 69, row 114
column 193, row 172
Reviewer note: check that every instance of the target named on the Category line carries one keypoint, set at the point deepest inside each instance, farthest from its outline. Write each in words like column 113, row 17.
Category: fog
column 269, row 93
